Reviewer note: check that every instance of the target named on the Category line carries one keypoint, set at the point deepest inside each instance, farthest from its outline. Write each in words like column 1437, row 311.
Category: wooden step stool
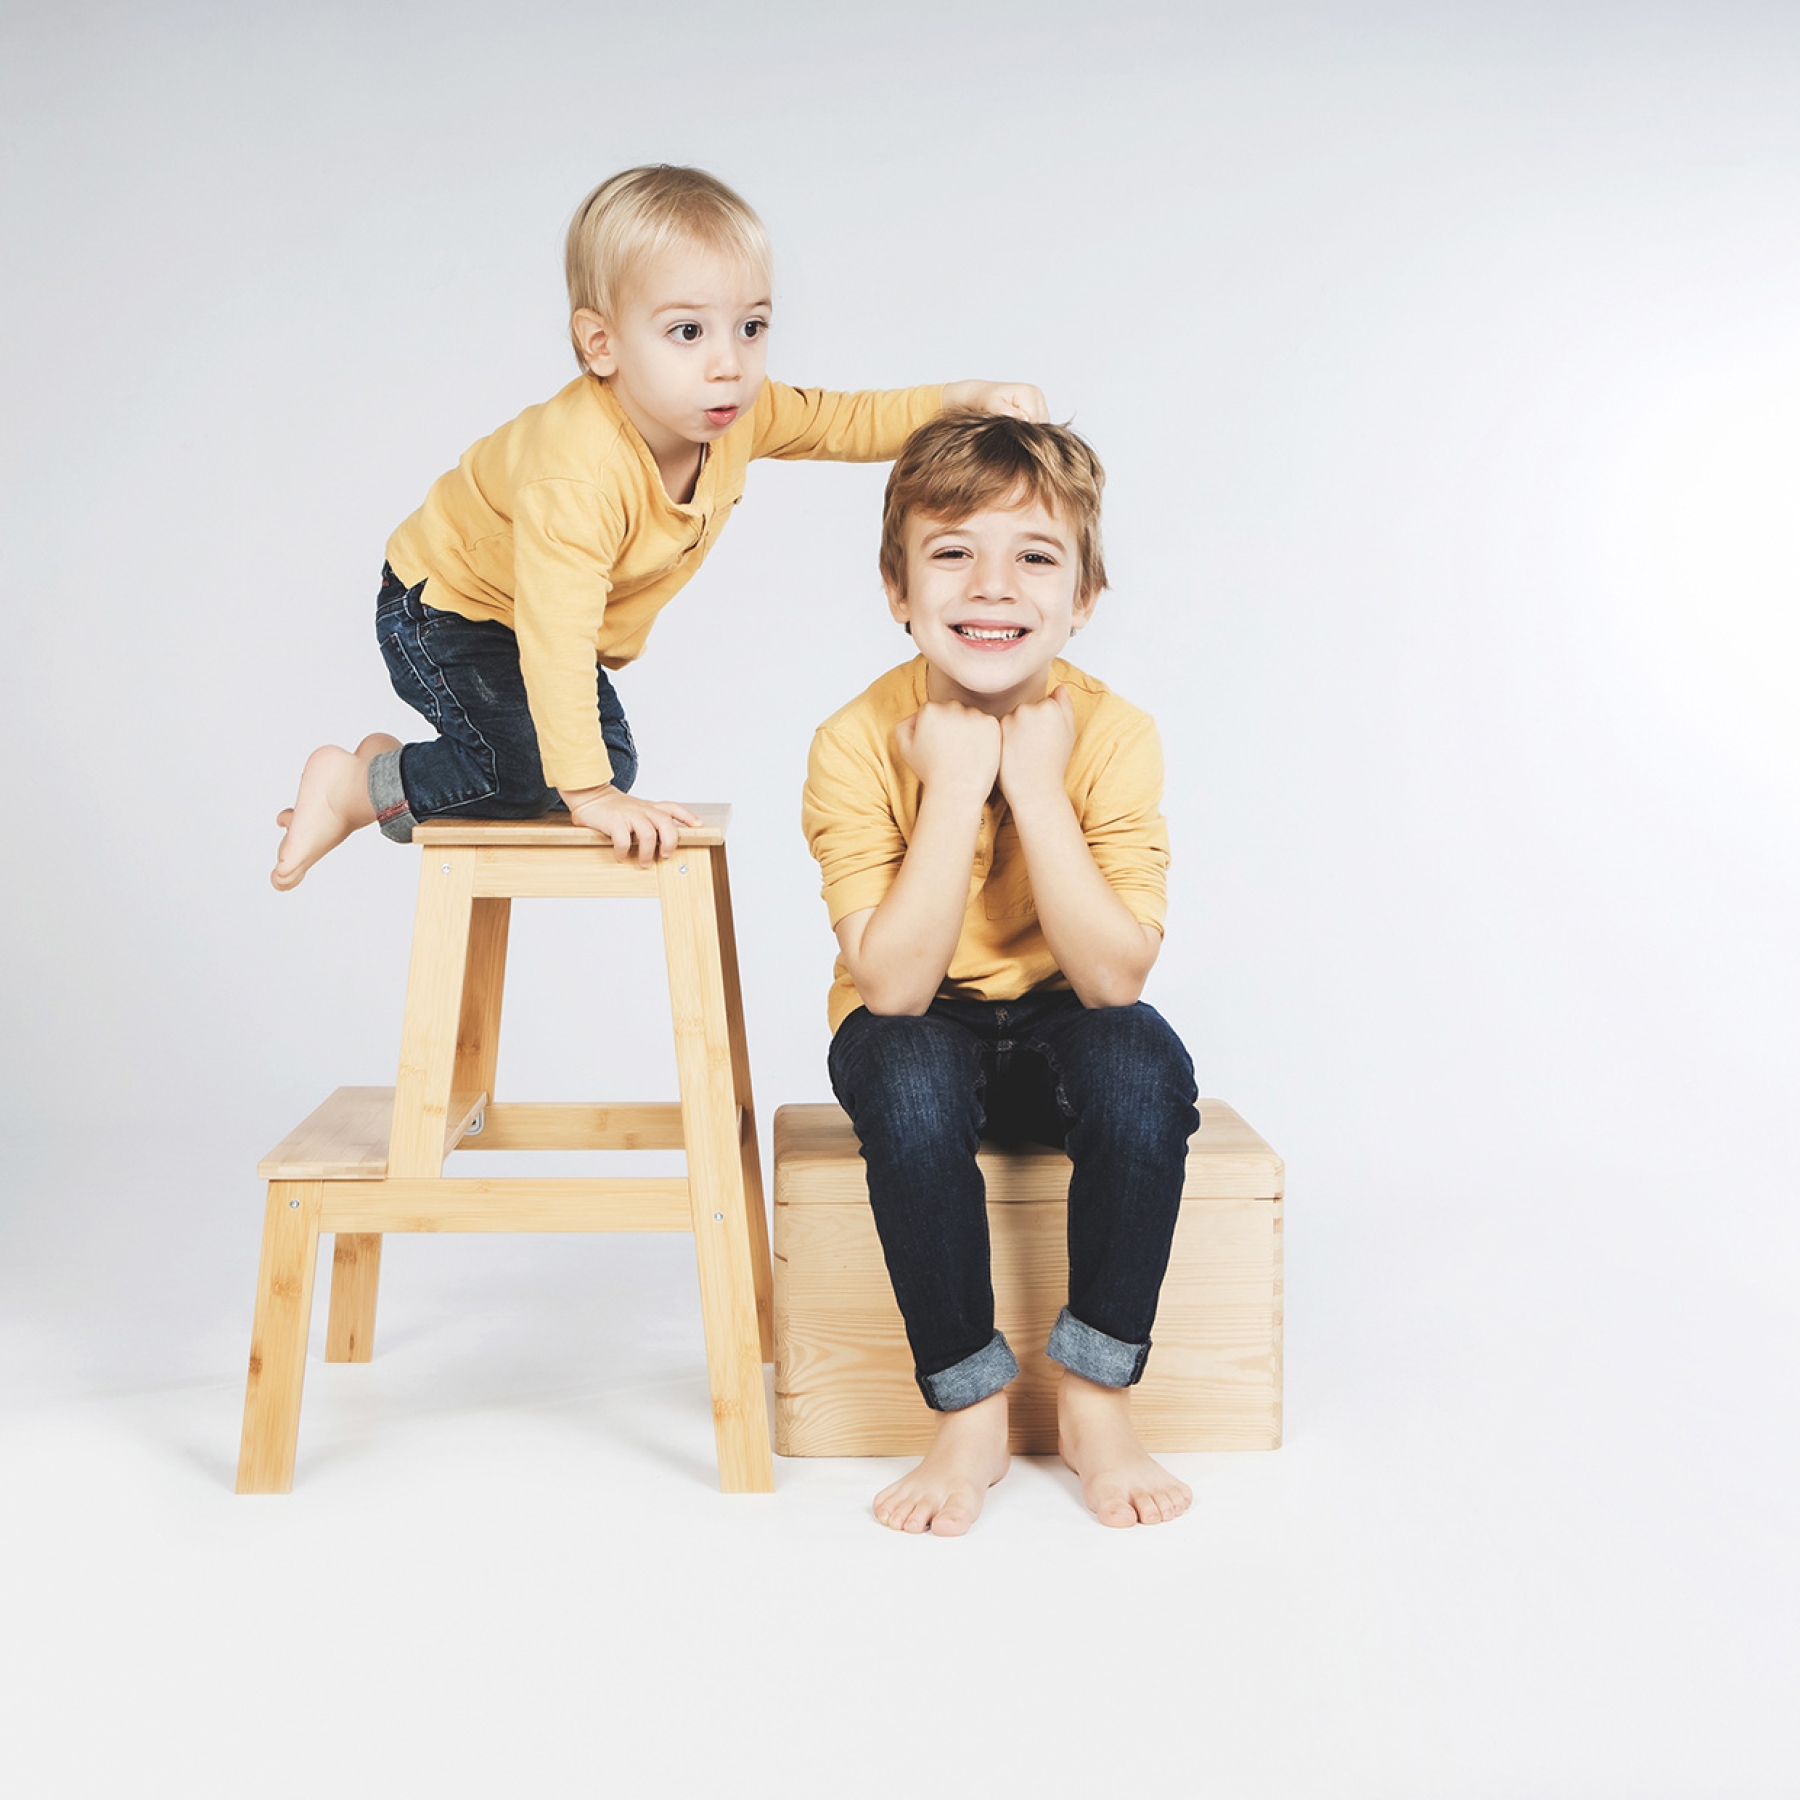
column 371, row 1160
column 843, row 1374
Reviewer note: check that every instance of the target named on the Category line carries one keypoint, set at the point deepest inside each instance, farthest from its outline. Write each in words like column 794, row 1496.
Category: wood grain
column 585, row 872
column 355, row 1281
column 484, row 985
column 284, row 1286
column 709, row 1117
column 345, row 1138
column 749, row 1154
column 428, row 1032
column 559, row 1125
column 516, row 1203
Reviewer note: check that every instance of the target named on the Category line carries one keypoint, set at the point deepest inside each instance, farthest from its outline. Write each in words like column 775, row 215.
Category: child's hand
column 1017, row 399
column 1035, row 744
column 951, row 748
column 654, row 827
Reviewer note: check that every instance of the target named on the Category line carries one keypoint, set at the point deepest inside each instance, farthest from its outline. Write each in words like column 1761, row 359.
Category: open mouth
column 721, row 415
column 989, row 635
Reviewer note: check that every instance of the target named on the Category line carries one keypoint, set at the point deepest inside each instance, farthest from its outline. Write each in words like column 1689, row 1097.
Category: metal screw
column 445, row 870
column 293, row 1206
column 681, row 868
column 718, row 1218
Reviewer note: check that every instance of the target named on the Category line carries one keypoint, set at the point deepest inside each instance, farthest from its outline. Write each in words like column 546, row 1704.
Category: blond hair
column 962, row 463
column 637, row 214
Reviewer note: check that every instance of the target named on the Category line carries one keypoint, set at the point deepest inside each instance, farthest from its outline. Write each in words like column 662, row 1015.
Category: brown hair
column 962, row 463
column 637, row 214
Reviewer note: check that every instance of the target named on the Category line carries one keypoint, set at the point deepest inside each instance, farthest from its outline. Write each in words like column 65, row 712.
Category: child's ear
column 593, row 336
column 1083, row 610
column 897, row 605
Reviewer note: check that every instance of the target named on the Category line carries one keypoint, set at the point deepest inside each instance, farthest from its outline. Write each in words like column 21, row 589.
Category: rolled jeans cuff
column 1091, row 1354
column 971, row 1380
column 393, row 813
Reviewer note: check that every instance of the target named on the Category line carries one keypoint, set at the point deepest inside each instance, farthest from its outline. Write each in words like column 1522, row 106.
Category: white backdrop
column 1446, row 365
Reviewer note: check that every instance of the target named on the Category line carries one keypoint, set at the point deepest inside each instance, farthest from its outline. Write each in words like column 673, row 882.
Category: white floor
column 1526, row 1546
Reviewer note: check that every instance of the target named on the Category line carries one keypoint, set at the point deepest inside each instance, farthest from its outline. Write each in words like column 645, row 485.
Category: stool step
column 346, row 1139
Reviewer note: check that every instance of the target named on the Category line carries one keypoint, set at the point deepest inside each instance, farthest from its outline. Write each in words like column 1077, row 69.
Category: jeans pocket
column 409, row 668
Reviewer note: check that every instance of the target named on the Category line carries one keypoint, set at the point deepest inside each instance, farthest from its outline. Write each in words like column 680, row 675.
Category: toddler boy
column 541, row 561
column 986, row 819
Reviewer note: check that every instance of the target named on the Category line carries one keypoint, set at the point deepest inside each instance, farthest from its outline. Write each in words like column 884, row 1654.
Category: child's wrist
column 574, row 797
column 955, row 794
column 1029, row 799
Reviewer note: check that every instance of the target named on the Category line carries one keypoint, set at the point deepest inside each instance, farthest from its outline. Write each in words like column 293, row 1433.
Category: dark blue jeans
column 463, row 675
column 1112, row 1085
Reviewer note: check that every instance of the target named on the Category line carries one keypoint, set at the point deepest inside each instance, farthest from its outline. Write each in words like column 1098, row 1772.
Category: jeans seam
column 1039, row 1047
column 475, row 731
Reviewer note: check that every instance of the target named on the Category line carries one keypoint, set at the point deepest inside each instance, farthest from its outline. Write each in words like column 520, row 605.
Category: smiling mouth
column 989, row 634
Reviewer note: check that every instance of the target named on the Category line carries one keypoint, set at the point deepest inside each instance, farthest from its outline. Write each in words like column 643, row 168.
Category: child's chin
column 998, row 675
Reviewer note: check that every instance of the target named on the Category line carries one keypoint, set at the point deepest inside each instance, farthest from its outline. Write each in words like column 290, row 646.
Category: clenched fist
column 951, row 747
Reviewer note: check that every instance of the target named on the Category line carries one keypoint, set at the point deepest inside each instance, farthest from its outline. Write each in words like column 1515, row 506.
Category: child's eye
column 754, row 328
column 1041, row 556
column 949, row 553
column 688, row 331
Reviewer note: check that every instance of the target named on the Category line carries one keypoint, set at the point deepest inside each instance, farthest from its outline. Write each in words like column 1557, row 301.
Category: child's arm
column 567, row 536
column 898, row 952
column 872, row 425
column 1105, row 952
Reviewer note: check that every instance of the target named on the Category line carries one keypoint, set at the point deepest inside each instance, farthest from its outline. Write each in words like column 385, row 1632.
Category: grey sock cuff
column 1091, row 1354
column 392, row 813
column 971, row 1380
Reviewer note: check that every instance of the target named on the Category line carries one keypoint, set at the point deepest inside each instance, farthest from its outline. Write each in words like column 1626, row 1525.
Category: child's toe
column 1115, row 1510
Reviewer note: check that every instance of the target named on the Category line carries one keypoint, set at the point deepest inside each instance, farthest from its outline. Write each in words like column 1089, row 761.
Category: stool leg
column 703, row 1058
column 355, row 1276
column 284, row 1284
column 484, row 980
column 750, row 1154
column 356, row 1257
column 434, row 996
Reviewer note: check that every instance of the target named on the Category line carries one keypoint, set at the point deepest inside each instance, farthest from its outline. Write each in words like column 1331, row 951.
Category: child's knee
column 903, row 1077
column 1134, row 1072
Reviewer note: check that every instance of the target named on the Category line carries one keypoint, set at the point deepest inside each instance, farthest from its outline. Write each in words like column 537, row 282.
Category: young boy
column 986, row 822
column 541, row 561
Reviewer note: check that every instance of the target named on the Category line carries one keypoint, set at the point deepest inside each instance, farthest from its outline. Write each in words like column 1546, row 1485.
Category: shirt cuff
column 856, row 893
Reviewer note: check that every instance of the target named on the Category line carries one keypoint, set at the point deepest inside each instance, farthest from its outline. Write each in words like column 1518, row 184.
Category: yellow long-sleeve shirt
column 558, row 525
column 861, row 808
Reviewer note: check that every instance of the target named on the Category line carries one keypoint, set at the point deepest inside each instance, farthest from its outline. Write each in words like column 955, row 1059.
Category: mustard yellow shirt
column 558, row 526
column 861, row 806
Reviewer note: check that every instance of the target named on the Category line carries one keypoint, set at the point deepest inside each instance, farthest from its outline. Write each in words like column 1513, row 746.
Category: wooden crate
column 843, row 1374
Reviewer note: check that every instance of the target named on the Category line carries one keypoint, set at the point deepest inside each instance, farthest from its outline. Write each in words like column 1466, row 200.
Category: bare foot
column 943, row 1495
column 1119, row 1480
column 333, row 802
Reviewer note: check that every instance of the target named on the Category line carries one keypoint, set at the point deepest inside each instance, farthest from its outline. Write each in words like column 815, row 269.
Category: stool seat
column 371, row 1160
column 560, row 829
column 843, row 1373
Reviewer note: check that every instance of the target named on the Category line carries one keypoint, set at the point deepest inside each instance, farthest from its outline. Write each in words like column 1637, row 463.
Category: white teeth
column 987, row 637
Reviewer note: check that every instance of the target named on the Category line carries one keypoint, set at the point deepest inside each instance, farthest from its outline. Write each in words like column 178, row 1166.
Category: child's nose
column 993, row 577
